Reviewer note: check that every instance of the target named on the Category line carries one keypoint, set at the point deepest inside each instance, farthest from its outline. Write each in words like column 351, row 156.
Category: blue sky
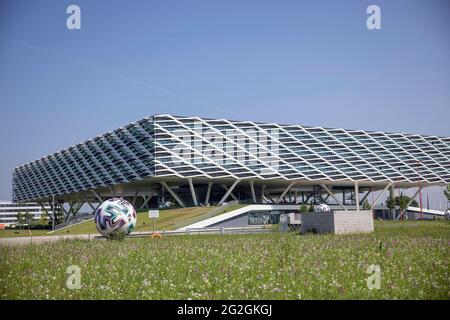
column 303, row 62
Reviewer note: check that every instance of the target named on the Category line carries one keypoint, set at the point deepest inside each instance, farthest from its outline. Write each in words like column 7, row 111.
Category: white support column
column 133, row 203
column 285, row 191
column 252, row 190
column 334, row 197
column 270, row 198
column 45, row 210
column 173, row 194
column 409, row 203
column 97, row 196
column 194, row 196
column 357, row 195
column 379, row 196
column 228, row 193
column 392, row 196
column 88, row 202
column 361, row 202
column 231, row 194
column 312, row 195
column 52, row 204
column 71, row 207
column 112, row 191
column 146, row 200
column 263, row 188
column 64, row 210
column 91, row 205
column 208, row 192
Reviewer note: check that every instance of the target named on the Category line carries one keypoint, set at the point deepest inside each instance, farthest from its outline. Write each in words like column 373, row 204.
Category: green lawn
column 168, row 219
column 207, row 215
column 413, row 258
column 21, row 233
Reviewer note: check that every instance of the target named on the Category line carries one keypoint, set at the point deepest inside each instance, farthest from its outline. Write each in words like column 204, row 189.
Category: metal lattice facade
column 190, row 147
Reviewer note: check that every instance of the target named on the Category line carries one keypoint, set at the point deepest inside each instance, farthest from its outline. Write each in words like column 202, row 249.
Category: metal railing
column 211, row 230
column 141, row 234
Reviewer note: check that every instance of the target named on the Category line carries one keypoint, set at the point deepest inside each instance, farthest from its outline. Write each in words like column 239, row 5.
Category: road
column 47, row 239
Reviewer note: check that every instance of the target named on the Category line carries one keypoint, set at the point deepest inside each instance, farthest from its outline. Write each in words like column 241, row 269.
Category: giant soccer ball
column 323, row 208
column 115, row 218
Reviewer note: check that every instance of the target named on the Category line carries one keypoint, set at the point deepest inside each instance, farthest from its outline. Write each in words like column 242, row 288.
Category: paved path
column 44, row 239
column 47, row 239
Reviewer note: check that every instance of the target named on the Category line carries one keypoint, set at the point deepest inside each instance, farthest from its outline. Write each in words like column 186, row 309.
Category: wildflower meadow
column 411, row 258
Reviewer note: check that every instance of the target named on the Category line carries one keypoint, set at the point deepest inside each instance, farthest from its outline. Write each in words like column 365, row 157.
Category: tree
column 311, row 208
column 390, row 203
column 43, row 221
column 400, row 201
column 28, row 217
column 20, row 218
column 403, row 198
column 304, row 208
column 366, row 205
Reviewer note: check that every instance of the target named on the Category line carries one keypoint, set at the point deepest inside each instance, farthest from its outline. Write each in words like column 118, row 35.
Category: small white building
column 9, row 210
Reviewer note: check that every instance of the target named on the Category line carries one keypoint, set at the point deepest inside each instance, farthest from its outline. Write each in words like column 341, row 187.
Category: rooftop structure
column 193, row 161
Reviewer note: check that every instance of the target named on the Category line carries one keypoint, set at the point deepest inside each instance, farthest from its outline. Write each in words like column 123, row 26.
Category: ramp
column 235, row 213
column 426, row 211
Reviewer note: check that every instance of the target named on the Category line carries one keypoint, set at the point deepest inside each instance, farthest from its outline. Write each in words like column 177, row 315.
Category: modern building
column 411, row 213
column 9, row 211
column 194, row 161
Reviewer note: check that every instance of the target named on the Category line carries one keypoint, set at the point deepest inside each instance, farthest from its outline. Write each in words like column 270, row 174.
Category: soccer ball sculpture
column 115, row 218
column 323, row 208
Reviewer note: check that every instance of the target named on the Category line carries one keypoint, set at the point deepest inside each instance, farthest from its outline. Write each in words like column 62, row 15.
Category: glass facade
column 183, row 147
column 9, row 211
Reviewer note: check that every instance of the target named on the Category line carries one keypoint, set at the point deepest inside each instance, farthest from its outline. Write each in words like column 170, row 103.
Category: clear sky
column 301, row 62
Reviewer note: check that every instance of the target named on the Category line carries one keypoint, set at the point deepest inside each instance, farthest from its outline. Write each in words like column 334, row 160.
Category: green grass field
column 413, row 258
column 22, row 233
column 169, row 219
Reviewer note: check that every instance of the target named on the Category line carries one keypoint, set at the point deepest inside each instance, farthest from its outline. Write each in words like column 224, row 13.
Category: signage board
column 153, row 213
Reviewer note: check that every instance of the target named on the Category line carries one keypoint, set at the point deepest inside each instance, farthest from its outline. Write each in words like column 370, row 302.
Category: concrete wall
column 416, row 216
column 338, row 222
column 353, row 221
column 317, row 222
column 239, row 221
